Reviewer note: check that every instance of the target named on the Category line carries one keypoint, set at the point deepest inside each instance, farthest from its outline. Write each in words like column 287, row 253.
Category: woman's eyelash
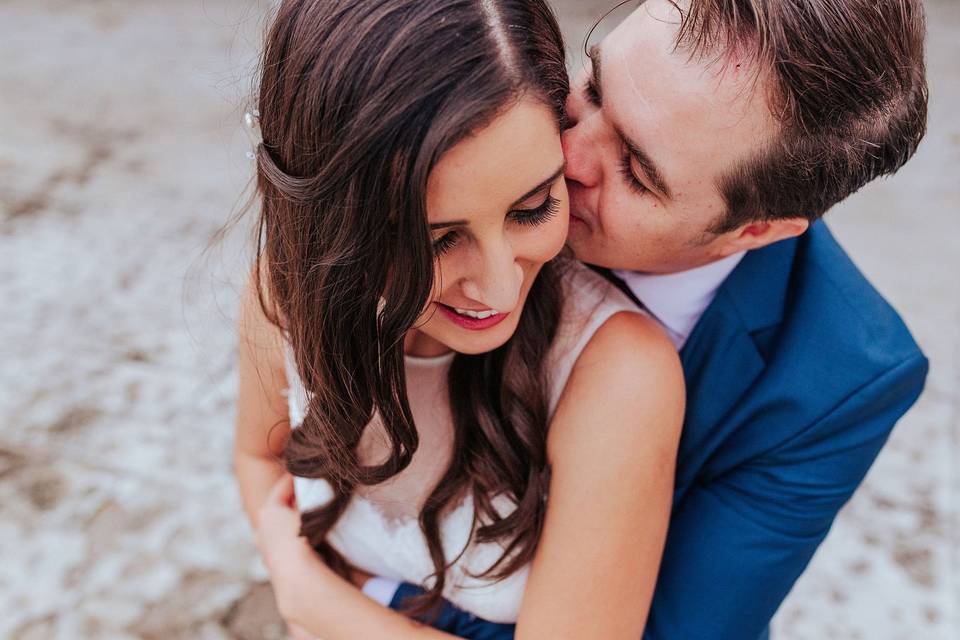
column 631, row 179
column 541, row 214
column 445, row 243
column 528, row 217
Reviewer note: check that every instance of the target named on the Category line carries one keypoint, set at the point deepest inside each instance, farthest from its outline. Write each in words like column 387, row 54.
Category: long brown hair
column 358, row 102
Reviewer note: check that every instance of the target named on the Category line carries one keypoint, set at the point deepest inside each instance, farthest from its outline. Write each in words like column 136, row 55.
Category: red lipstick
column 474, row 324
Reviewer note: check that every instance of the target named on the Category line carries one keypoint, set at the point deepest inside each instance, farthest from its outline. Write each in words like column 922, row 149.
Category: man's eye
column 592, row 93
column 627, row 172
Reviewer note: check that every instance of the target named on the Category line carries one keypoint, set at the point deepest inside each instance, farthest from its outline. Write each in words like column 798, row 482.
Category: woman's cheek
column 555, row 236
column 436, row 292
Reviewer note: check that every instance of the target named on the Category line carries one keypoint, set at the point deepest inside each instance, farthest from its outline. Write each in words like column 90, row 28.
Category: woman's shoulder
column 585, row 289
column 590, row 301
column 632, row 349
column 257, row 326
column 627, row 381
column 630, row 343
column 262, row 336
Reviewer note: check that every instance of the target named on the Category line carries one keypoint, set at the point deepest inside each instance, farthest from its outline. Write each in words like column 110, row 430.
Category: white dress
column 379, row 532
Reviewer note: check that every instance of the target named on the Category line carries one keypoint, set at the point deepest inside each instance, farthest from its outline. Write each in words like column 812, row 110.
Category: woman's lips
column 474, row 324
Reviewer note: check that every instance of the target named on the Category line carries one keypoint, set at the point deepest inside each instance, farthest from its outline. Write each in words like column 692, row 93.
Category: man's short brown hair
column 847, row 87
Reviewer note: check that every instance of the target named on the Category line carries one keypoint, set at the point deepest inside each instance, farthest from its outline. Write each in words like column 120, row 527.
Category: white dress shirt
column 678, row 300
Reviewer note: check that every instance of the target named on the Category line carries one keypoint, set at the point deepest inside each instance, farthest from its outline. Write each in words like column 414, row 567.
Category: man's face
column 653, row 131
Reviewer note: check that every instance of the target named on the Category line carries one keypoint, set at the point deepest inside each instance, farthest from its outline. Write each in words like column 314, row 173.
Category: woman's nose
column 497, row 281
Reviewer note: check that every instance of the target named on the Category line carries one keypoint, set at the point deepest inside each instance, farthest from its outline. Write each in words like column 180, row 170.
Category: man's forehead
column 653, row 20
column 650, row 76
column 693, row 116
column 637, row 52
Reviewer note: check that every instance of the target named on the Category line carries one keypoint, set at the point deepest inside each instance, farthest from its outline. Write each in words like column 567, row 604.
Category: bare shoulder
column 261, row 400
column 631, row 342
column 627, row 383
column 258, row 335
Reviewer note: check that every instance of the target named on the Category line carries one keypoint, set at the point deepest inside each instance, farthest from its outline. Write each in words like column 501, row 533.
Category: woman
column 444, row 374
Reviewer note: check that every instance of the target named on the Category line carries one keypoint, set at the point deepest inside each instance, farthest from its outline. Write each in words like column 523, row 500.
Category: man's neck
column 678, row 300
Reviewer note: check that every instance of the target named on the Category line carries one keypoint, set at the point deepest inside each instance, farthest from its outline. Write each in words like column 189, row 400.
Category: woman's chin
column 477, row 347
column 473, row 343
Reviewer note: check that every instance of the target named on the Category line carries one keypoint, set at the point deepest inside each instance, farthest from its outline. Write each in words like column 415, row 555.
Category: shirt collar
column 678, row 300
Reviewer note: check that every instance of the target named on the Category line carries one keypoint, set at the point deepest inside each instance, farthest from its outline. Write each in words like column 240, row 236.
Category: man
column 706, row 142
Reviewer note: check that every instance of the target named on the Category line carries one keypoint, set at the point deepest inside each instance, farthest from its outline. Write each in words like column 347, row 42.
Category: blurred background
column 122, row 151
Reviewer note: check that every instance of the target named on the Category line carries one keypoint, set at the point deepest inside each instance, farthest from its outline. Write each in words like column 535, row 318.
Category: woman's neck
column 420, row 345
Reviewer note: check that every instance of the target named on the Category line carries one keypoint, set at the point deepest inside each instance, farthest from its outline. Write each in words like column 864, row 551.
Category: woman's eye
column 528, row 217
column 627, row 172
column 445, row 243
column 540, row 215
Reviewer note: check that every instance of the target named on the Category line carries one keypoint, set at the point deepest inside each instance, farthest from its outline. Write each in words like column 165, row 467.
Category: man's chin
column 594, row 254
column 582, row 249
column 578, row 222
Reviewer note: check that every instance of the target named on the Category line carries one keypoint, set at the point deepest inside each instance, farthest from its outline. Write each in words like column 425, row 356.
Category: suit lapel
column 721, row 359
column 720, row 362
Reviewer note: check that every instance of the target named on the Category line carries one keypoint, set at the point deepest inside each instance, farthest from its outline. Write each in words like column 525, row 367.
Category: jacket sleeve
column 738, row 542
column 455, row 621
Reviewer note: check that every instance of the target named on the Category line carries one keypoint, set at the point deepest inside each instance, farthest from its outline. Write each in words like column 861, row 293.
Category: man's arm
column 737, row 544
column 453, row 620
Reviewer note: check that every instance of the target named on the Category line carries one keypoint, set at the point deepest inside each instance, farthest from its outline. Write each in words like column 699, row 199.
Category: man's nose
column 580, row 151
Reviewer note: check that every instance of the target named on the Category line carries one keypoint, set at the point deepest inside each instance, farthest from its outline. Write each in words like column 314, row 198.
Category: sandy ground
column 121, row 152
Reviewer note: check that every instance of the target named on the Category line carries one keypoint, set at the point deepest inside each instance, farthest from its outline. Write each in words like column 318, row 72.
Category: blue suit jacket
column 796, row 374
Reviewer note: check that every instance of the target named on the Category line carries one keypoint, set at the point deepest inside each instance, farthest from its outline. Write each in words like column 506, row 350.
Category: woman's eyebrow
column 543, row 185
column 444, row 225
column 537, row 189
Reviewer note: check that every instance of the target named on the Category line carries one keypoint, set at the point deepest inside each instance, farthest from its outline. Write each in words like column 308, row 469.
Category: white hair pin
column 251, row 123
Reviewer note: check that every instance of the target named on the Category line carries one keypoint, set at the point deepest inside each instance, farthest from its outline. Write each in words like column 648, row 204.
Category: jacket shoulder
column 831, row 305
column 839, row 342
column 834, row 352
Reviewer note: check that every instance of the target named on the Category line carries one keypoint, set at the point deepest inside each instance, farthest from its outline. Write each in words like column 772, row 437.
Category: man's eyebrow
column 537, row 189
column 594, row 55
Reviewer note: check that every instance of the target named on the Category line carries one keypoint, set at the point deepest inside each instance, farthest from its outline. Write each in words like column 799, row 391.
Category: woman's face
column 498, row 210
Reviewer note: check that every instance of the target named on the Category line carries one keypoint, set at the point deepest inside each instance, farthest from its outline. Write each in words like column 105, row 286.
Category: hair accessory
column 251, row 123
